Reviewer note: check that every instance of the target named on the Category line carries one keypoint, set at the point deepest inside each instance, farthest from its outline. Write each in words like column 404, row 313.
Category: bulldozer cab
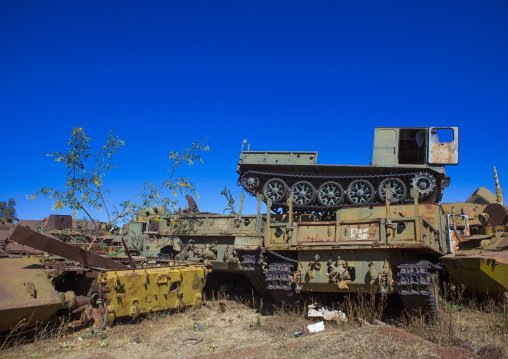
column 415, row 146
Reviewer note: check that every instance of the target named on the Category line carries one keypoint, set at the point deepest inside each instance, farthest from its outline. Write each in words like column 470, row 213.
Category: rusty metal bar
column 290, row 206
column 131, row 261
column 259, row 198
column 240, row 211
column 267, row 227
column 54, row 246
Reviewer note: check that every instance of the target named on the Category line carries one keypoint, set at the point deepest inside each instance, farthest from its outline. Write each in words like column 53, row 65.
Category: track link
column 419, row 287
column 273, row 287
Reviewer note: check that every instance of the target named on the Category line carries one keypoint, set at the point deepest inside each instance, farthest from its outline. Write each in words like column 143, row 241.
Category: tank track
column 418, row 287
column 316, row 207
column 275, row 285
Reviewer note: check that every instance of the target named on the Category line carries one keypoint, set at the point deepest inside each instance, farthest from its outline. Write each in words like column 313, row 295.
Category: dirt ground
column 241, row 332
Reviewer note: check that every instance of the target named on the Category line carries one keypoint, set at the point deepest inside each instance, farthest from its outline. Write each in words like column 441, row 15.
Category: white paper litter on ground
column 318, row 327
column 319, row 311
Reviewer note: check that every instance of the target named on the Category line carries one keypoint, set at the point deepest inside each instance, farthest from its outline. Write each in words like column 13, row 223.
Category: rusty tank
column 479, row 258
column 28, row 297
column 403, row 158
column 44, row 277
column 392, row 248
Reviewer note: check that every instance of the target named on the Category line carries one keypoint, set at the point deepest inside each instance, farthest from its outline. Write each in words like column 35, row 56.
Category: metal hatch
column 444, row 151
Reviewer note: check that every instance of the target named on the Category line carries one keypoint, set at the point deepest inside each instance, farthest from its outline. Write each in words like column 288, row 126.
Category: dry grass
column 477, row 325
column 48, row 331
column 366, row 306
column 287, row 321
column 235, row 327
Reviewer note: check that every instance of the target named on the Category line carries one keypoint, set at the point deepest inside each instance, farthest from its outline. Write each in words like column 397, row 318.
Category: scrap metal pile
column 42, row 277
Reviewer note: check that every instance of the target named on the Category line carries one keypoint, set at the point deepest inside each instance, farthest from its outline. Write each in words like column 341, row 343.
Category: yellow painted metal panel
column 142, row 291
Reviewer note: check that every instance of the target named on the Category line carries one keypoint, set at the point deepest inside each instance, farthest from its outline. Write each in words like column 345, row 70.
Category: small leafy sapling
column 85, row 189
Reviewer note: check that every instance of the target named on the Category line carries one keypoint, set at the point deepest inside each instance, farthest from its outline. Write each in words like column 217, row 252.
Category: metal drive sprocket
column 250, row 182
column 424, row 182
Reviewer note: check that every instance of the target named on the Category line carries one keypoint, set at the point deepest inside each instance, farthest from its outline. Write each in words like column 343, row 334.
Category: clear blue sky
column 286, row 75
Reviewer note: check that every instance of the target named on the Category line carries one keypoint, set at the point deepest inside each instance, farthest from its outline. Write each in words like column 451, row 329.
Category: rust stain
column 443, row 152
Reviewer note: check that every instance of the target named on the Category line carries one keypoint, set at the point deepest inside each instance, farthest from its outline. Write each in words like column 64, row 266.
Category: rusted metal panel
column 248, row 224
column 218, row 224
column 503, row 244
column 480, row 261
column 59, row 221
column 315, row 233
column 443, row 152
column 403, row 230
column 482, row 196
column 32, row 223
column 471, row 210
column 278, row 236
column 244, row 242
column 192, row 207
column 278, row 157
column 360, row 231
column 207, row 224
column 27, row 295
column 345, row 270
column 430, row 212
column 54, row 246
column 497, row 214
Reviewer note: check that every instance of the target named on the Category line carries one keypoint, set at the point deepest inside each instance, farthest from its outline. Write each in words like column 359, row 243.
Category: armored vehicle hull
column 87, row 286
column 383, row 249
column 27, row 295
column 482, row 273
column 404, row 158
column 479, row 261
